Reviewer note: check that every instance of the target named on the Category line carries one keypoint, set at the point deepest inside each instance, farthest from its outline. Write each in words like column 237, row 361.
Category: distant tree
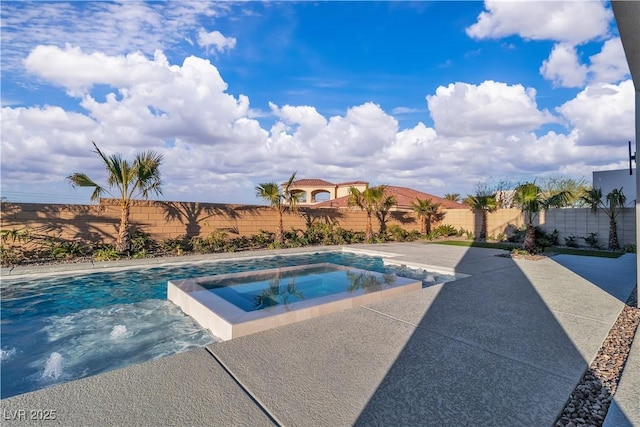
column 453, row 197
column 615, row 200
column 502, row 191
column 532, row 200
column 428, row 212
column 577, row 187
column 484, row 204
column 131, row 180
column 372, row 200
column 281, row 199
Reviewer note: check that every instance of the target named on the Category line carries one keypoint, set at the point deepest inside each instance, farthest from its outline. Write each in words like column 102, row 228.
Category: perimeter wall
column 163, row 220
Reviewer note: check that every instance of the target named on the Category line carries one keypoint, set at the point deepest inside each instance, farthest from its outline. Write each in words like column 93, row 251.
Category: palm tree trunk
column 614, row 244
column 280, row 229
column 122, row 242
column 423, row 228
column 529, row 244
column 368, row 233
column 483, row 231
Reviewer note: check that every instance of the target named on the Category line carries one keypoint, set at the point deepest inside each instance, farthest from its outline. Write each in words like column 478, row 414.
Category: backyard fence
column 162, row 220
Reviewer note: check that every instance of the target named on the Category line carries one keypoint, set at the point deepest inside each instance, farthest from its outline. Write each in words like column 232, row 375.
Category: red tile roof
column 312, row 183
column 353, row 183
column 404, row 197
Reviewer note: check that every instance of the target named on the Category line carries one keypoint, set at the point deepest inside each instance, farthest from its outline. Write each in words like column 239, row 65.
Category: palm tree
column 615, row 200
column 131, row 180
column 453, row 197
column 428, row 212
column 382, row 210
column 484, row 204
column 281, row 199
column 372, row 199
column 532, row 200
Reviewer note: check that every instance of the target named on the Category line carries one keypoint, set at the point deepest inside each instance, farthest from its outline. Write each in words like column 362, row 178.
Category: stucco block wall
column 580, row 222
column 162, row 220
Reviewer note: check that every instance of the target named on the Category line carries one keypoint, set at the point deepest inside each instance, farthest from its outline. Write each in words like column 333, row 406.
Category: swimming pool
column 60, row 328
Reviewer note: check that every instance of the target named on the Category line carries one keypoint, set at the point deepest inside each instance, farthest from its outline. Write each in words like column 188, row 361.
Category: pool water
column 61, row 328
column 285, row 287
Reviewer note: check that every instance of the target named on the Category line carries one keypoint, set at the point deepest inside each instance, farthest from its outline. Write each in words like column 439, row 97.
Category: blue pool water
column 270, row 288
column 57, row 329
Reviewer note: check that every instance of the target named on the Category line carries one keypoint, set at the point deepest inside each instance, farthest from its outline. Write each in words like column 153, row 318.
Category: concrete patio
column 504, row 346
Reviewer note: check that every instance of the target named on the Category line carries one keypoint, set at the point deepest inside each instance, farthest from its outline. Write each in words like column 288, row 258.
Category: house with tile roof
column 323, row 194
column 312, row 192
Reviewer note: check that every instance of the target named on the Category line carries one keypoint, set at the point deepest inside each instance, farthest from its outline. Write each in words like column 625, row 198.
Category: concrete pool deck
column 504, row 346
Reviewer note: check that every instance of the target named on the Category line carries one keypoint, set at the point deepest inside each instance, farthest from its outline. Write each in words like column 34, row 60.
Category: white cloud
column 151, row 98
column 215, row 151
column 463, row 109
column 215, row 40
column 343, row 140
column 565, row 21
column 602, row 114
column 563, row 67
column 112, row 28
column 610, row 65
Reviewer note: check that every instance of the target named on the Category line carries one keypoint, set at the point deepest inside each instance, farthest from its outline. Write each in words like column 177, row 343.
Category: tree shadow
column 194, row 215
column 403, row 217
column 324, row 216
column 79, row 222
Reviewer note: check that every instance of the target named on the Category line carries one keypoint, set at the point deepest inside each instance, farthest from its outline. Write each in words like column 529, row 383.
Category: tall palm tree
column 371, row 200
column 130, row 180
column 615, row 201
column 532, row 200
column 281, row 200
column 428, row 212
column 484, row 204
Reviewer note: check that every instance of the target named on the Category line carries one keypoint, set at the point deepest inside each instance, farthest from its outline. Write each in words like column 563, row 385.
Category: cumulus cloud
column 345, row 140
column 216, row 151
column 150, row 97
column 563, row 67
column 602, row 114
column 215, row 40
column 572, row 22
column 44, row 141
column 463, row 109
column 610, row 65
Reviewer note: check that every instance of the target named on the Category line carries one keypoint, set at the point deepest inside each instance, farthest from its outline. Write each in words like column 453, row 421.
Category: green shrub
column 142, row 244
column 262, row 239
column 106, row 253
column 446, row 230
column 213, row 242
column 11, row 256
column 571, row 241
column 176, row 245
column 60, row 249
column 397, row 233
column 592, row 241
column 629, row 248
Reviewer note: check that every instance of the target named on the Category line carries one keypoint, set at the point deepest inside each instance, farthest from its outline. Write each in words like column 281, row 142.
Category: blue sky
column 436, row 96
